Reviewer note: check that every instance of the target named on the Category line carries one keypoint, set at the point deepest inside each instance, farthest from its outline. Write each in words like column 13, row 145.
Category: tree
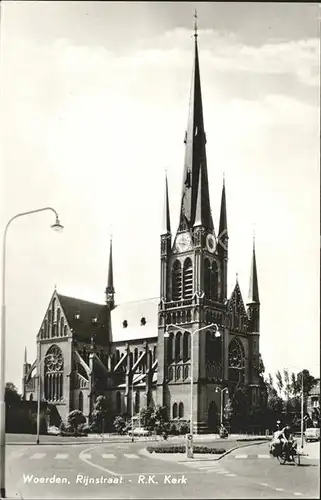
column 12, row 396
column 75, row 418
column 279, row 382
column 101, row 415
column 148, row 418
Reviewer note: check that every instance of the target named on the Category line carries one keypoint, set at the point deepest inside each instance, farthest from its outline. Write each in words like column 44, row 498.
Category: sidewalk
column 312, row 450
column 16, row 439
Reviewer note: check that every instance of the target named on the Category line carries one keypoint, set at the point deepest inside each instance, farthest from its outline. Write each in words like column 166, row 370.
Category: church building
column 146, row 352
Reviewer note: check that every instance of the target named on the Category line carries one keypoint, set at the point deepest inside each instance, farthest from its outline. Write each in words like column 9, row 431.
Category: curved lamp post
column 189, row 450
column 57, row 227
column 218, row 389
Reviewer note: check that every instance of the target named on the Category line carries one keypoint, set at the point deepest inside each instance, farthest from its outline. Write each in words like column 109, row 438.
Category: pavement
column 123, row 470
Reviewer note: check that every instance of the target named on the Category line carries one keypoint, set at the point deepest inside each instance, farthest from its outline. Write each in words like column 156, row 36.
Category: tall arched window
column 45, row 329
column 186, row 346
column 118, row 403
column 65, row 330
column 188, row 279
column 214, row 281
column 117, row 356
column 53, row 310
column 175, row 410
column 207, row 278
column 135, row 354
column 236, row 361
column 31, row 397
column 170, row 342
column 137, row 402
column 58, row 322
column 54, row 370
column 181, row 410
column 154, row 353
column 177, row 281
column 178, row 338
column 62, row 326
column 81, row 401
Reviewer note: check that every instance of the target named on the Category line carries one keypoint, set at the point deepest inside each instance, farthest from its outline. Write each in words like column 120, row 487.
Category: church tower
column 110, row 291
column 193, row 282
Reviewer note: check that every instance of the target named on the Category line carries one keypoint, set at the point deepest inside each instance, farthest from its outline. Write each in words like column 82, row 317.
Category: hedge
column 181, row 448
column 268, row 438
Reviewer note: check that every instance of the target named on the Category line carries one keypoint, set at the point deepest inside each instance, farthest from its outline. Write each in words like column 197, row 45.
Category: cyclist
column 286, row 439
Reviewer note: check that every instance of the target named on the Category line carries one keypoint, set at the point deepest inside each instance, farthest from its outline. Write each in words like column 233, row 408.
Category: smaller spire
column 254, row 287
column 198, row 213
column 166, row 229
column 222, row 232
column 195, row 24
column 237, row 277
column 25, row 355
column 110, row 291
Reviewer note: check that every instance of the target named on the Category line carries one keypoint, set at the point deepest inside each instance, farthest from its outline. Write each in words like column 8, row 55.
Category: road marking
column 61, row 456
column 130, row 455
column 230, row 475
column 240, row 456
column 108, row 455
column 263, row 484
column 264, row 456
column 38, row 456
column 86, row 455
column 17, row 454
column 298, row 494
column 95, row 465
column 279, row 489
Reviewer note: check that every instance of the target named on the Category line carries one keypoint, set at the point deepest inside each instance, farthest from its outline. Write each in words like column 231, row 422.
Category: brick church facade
column 121, row 350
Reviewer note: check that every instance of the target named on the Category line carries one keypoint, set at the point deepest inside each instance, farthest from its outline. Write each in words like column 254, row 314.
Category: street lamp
column 57, row 227
column 39, row 393
column 189, row 449
column 218, row 389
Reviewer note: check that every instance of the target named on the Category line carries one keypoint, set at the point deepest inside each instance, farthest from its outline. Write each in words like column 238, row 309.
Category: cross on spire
column 195, row 24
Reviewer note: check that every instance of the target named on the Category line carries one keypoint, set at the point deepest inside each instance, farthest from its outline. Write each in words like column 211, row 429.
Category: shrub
column 181, row 448
column 75, row 418
column 120, row 424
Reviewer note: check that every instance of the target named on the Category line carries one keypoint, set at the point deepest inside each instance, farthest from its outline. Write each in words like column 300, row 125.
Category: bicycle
column 290, row 455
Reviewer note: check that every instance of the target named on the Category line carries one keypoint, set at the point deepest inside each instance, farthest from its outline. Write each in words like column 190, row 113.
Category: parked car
column 53, row 430
column 312, row 434
column 139, row 431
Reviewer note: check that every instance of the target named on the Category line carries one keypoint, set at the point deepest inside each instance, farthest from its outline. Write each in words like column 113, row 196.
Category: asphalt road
column 119, row 470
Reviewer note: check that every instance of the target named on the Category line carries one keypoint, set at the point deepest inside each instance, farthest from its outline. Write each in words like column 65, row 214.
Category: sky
column 94, row 103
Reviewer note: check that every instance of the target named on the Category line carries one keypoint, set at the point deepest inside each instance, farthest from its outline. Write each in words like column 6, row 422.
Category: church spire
column 199, row 211
column 25, row 355
column 254, row 287
column 195, row 156
column 166, row 229
column 223, row 235
column 110, row 291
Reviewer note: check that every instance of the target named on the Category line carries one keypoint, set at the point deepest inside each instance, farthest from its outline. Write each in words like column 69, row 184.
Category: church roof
column 135, row 320
column 83, row 315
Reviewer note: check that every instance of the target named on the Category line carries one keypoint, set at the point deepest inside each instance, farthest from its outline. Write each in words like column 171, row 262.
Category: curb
column 146, row 453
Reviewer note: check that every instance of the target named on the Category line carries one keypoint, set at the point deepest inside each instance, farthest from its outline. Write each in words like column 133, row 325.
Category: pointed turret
column 223, row 235
column 254, row 287
column 195, row 156
column 25, row 356
column 166, row 229
column 110, row 291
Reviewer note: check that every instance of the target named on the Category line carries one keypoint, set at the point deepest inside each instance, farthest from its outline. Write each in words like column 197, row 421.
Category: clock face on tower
column 183, row 242
column 210, row 243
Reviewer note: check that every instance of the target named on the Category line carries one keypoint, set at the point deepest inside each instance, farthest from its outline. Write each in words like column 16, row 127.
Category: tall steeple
column 254, row 287
column 166, row 229
column 223, row 235
column 110, row 291
column 195, row 156
column 25, row 355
